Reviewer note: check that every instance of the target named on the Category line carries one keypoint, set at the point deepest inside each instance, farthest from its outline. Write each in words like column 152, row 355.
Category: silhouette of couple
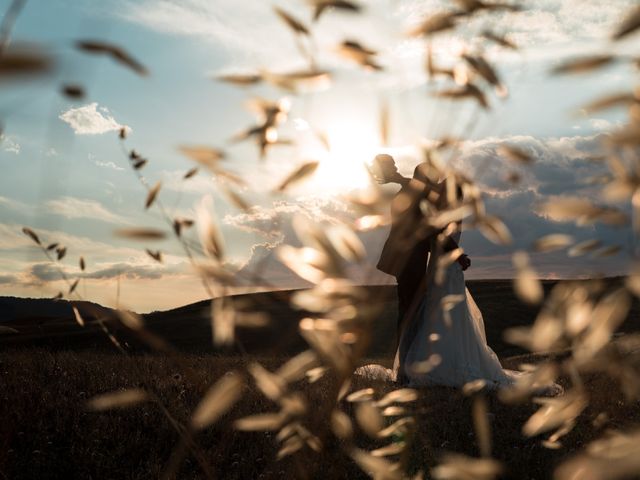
column 440, row 332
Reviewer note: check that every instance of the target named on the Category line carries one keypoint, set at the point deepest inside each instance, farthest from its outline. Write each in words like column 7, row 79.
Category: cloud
column 275, row 225
column 248, row 36
column 8, row 279
column 252, row 29
column 71, row 207
column 13, row 239
column 10, row 144
column 47, row 272
column 270, row 222
column 44, row 272
column 127, row 271
column 226, row 22
column 109, row 165
column 545, row 22
column 561, row 167
column 100, row 257
column 147, row 284
column 250, row 32
column 15, row 205
column 141, row 269
column 600, row 124
column 89, row 120
column 264, row 269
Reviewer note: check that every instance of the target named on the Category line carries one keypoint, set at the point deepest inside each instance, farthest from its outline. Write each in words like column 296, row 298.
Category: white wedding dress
column 451, row 349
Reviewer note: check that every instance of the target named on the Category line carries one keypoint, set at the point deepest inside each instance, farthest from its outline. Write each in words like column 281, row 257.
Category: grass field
column 47, row 431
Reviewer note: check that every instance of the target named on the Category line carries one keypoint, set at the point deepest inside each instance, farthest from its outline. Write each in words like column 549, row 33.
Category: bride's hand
column 464, row 261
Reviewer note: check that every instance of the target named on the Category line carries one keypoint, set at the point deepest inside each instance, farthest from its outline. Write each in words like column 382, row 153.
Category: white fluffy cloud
column 41, row 272
column 270, row 222
column 561, row 166
column 90, row 120
column 71, row 207
column 109, row 165
column 251, row 27
column 10, row 144
column 275, row 224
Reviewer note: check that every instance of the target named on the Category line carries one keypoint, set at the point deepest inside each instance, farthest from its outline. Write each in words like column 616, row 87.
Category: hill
column 17, row 310
column 51, row 324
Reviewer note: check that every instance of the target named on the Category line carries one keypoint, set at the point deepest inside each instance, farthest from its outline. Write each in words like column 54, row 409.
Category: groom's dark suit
column 406, row 251
column 408, row 247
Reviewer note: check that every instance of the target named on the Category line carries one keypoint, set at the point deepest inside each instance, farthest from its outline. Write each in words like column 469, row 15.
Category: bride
column 443, row 341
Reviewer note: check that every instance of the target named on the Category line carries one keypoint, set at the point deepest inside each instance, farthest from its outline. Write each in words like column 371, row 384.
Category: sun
column 343, row 166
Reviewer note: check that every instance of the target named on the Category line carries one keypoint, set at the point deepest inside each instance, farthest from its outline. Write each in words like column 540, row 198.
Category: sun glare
column 343, row 167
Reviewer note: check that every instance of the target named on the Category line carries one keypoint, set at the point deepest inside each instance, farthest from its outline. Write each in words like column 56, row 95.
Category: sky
column 67, row 176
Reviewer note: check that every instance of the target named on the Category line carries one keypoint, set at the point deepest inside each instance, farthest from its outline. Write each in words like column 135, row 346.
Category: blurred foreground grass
column 47, row 432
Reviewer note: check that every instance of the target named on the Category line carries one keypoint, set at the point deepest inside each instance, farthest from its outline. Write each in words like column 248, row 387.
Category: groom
column 406, row 251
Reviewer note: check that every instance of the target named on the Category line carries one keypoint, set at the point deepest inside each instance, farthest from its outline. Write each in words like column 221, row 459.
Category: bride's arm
column 449, row 245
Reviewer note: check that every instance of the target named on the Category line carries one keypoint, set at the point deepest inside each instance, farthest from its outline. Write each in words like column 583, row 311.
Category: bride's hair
column 421, row 173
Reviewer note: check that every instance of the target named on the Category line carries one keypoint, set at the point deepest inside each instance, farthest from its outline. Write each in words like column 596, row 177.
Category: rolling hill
column 51, row 324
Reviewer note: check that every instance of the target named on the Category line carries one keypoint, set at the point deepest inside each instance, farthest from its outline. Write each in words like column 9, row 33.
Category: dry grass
column 47, row 431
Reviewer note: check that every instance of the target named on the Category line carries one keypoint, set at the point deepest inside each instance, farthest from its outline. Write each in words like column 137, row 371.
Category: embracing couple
column 441, row 337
